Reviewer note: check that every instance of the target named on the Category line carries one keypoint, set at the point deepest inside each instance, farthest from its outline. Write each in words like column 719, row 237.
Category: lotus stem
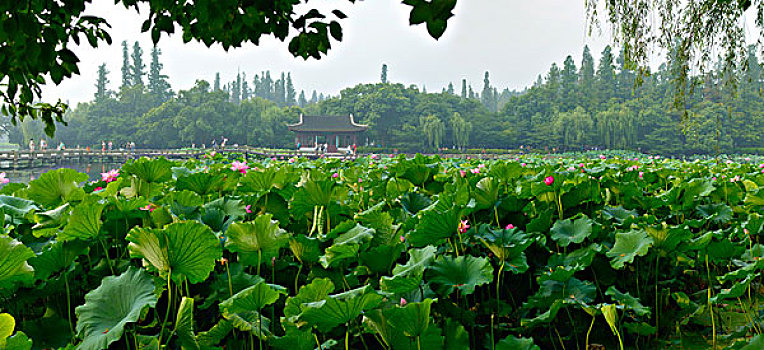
column 418, row 343
column 259, row 262
column 498, row 286
column 260, row 328
column 296, row 278
column 317, row 342
column 657, row 300
column 496, row 216
column 493, row 342
column 347, row 328
column 710, row 306
column 169, row 306
column 68, row 303
column 106, row 253
column 230, row 284
column 591, row 325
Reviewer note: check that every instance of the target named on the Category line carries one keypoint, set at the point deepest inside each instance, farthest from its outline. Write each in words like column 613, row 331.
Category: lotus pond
column 386, row 253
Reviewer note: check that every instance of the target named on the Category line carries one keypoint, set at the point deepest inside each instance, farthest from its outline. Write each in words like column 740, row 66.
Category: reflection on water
column 93, row 170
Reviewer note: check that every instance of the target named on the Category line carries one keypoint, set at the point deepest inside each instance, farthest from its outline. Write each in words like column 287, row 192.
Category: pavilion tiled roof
column 327, row 123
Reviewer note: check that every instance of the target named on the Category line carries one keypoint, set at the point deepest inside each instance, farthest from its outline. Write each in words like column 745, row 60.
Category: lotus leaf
column 119, row 300
column 463, row 273
column 183, row 250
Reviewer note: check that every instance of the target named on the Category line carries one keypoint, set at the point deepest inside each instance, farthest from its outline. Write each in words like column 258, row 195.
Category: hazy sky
column 515, row 40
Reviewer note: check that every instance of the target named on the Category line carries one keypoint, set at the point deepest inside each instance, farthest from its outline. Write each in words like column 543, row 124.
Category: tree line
column 603, row 105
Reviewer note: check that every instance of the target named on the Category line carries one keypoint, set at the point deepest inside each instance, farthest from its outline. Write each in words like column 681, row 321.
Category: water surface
column 93, row 170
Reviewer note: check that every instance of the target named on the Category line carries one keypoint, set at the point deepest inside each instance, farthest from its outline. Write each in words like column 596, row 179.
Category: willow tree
column 433, row 129
column 461, row 129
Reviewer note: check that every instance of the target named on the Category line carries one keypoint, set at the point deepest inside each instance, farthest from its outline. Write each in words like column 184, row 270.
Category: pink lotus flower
column 360, row 179
column 150, row 207
column 549, row 180
column 99, row 188
column 273, row 261
column 523, row 165
column 481, row 166
column 463, row 173
column 3, row 179
column 403, row 239
column 248, row 209
column 640, row 174
column 761, row 166
column 292, row 160
column 602, row 156
column 335, row 175
column 463, row 226
column 475, row 170
column 509, row 227
column 110, row 175
column 240, row 167
column 403, row 302
column 581, row 165
column 374, row 156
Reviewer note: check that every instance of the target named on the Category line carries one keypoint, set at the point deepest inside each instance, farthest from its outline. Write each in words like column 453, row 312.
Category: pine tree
column 301, row 101
column 424, row 89
column 126, row 80
column 464, row 88
column 217, row 82
column 290, row 93
column 487, row 94
column 280, row 91
column 158, row 84
column 103, row 80
column 236, row 89
column 606, row 75
column 245, row 92
column 256, row 87
column 268, row 93
column 137, row 70
column 450, row 89
column 569, row 80
column 471, row 93
column 314, row 97
column 384, row 74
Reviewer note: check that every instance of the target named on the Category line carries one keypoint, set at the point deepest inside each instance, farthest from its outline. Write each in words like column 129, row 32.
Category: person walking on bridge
column 31, row 145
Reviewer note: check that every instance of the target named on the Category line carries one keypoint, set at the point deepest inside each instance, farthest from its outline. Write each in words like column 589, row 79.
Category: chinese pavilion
column 337, row 131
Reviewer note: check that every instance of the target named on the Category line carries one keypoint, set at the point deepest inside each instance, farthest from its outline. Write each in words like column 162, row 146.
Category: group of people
column 221, row 145
column 42, row 146
column 109, row 145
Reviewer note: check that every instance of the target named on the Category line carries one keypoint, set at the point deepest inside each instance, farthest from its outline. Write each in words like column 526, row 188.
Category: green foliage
column 175, row 266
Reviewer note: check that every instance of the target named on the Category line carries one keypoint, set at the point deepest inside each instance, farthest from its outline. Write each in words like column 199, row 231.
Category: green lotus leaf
column 628, row 301
column 263, row 180
column 216, row 334
column 379, row 320
column 201, row 183
column 16, row 207
column 414, row 202
column 294, row 339
column 231, row 281
column 380, row 259
column 184, row 204
column 112, row 189
column 514, row 343
column 340, row 308
column 13, row 262
column 57, row 256
column 305, row 249
column 486, row 193
column 578, row 259
column 257, row 241
column 221, row 212
column 147, row 342
column 619, row 214
column 757, row 342
column 641, row 328
column 184, row 324
column 436, row 223
column 568, row 231
column 629, row 245
column 84, row 222
column 244, row 308
column 407, row 277
column 7, row 326
column 456, row 336
column 315, row 193
column 611, row 316
column 317, row 290
column 718, row 212
column 506, row 245
column 463, row 273
column 183, row 250
column 347, row 245
column 149, row 170
column 18, row 341
column 546, row 317
column 735, row 291
column 572, row 290
column 48, row 222
column 397, row 187
column 382, row 223
column 119, row 300
column 411, row 319
column 58, row 186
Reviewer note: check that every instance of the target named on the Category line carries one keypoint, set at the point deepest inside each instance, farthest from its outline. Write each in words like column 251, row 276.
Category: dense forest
column 592, row 104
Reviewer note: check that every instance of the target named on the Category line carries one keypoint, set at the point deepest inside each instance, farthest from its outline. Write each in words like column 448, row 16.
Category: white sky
column 515, row 40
